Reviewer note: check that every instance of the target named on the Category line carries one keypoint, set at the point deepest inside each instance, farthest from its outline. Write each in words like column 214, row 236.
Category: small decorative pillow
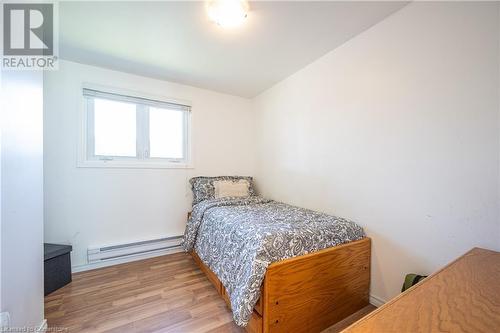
column 229, row 188
column 203, row 187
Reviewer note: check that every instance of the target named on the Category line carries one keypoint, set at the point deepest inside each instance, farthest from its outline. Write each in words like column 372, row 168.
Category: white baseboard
column 43, row 327
column 107, row 263
column 377, row 301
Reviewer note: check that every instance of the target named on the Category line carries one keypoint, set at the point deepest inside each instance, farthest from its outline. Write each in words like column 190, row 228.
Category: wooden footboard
column 311, row 292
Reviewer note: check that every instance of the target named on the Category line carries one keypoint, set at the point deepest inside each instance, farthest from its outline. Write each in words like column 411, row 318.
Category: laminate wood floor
column 163, row 294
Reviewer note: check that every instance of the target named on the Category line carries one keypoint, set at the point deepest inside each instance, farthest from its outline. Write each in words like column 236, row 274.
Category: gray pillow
column 203, row 187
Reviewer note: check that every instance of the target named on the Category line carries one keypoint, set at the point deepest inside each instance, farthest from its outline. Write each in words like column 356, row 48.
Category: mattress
column 238, row 238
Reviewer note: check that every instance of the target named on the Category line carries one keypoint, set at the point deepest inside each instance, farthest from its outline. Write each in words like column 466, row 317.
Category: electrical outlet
column 4, row 320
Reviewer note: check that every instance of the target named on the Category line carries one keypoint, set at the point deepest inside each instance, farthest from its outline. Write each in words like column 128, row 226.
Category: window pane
column 114, row 128
column 166, row 133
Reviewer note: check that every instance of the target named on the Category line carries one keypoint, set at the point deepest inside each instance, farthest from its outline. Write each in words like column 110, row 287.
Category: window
column 127, row 131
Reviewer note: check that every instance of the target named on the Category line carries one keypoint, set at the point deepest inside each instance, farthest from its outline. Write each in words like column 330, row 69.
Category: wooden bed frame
column 311, row 292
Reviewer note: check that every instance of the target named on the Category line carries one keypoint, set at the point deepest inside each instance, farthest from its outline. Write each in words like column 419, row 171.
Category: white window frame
column 86, row 156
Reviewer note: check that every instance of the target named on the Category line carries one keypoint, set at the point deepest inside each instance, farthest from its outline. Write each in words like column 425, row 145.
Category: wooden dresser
column 462, row 297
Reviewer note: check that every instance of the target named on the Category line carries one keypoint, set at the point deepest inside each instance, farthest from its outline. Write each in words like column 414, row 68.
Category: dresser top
column 462, row 297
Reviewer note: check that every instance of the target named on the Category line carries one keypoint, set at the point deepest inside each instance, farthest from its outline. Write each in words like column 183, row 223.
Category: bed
column 279, row 268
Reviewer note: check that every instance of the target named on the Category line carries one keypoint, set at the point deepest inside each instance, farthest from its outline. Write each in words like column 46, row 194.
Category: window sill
column 132, row 164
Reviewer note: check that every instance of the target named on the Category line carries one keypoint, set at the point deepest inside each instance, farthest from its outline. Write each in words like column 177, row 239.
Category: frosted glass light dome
column 227, row 13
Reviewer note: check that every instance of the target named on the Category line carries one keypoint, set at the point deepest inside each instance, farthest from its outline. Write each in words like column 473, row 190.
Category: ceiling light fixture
column 227, row 13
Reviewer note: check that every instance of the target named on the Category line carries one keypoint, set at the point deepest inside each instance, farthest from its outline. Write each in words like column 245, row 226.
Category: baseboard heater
column 122, row 251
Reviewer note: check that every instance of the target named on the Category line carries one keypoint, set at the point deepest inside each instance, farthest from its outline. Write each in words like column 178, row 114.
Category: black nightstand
column 57, row 266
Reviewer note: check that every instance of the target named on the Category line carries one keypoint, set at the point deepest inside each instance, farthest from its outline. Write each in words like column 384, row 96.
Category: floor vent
column 133, row 249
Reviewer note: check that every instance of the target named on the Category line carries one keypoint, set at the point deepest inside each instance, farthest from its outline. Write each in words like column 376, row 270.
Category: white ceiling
column 175, row 41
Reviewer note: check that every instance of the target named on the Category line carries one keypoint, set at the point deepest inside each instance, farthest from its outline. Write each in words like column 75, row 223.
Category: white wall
column 398, row 130
column 498, row 83
column 22, row 198
column 93, row 207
